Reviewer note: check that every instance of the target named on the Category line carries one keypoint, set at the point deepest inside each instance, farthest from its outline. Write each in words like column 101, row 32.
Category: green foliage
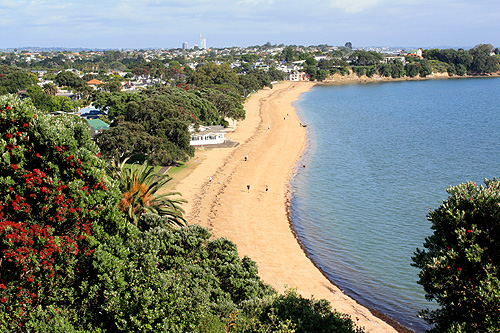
column 412, row 69
column 289, row 312
column 211, row 73
column 172, row 280
column 14, row 79
column 140, row 187
column 56, row 205
column 459, row 267
column 69, row 79
column 50, row 103
column 478, row 60
column 227, row 104
column 367, row 58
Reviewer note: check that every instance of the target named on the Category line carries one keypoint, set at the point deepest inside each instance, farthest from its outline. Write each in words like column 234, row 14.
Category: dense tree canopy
column 14, row 79
column 70, row 262
column 55, row 204
column 460, row 265
column 69, row 79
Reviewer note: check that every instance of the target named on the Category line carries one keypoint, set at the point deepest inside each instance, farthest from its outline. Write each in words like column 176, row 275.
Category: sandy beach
column 256, row 218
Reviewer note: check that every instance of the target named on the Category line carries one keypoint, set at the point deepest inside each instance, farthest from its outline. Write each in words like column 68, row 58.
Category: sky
column 142, row 24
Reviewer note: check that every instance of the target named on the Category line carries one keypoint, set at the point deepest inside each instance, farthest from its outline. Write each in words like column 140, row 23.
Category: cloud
column 354, row 6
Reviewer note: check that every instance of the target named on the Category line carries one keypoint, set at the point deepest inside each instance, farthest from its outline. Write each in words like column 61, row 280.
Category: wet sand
column 256, row 219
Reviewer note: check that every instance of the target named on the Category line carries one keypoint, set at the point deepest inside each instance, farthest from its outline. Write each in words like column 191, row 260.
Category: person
column 267, row 188
column 210, row 179
column 248, row 188
column 246, row 158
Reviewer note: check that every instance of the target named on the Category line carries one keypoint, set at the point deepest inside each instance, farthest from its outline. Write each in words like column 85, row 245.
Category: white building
column 203, row 42
column 207, row 135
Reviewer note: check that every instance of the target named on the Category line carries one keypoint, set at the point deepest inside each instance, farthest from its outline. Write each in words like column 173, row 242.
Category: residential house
column 207, row 135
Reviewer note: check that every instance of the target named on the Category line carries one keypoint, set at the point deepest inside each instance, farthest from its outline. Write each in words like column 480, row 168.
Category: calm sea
column 379, row 157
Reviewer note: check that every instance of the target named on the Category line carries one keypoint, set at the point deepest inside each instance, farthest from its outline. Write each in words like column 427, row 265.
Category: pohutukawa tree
column 55, row 204
column 460, row 265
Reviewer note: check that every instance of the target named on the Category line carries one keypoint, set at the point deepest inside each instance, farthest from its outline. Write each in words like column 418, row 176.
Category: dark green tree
column 69, row 79
column 460, row 265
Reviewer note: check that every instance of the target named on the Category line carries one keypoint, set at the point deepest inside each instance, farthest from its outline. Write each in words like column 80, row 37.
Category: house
column 392, row 59
column 97, row 126
column 207, row 135
column 90, row 113
column 94, row 83
column 298, row 76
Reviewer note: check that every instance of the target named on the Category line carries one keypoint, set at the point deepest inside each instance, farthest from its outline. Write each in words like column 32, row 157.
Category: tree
column 367, row 58
column 289, row 54
column 228, row 105
column 482, row 60
column 211, row 73
column 13, row 79
column 69, row 79
column 50, row 89
column 56, row 205
column 460, row 265
column 140, row 187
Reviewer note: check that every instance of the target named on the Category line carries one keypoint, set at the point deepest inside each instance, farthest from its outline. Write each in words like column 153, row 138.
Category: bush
column 56, row 205
column 460, row 265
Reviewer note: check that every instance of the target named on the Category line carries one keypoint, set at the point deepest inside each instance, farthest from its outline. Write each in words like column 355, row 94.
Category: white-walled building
column 207, row 135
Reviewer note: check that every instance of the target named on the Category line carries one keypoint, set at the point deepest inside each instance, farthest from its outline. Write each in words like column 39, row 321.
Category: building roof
column 97, row 124
column 94, row 82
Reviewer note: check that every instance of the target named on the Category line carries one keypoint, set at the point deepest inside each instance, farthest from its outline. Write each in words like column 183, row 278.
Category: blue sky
column 167, row 24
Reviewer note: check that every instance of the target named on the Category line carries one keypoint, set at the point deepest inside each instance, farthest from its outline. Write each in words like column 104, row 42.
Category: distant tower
column 203, row 42
column 185, row 46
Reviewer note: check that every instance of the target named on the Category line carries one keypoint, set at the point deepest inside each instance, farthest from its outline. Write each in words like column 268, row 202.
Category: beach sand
column 256, row 219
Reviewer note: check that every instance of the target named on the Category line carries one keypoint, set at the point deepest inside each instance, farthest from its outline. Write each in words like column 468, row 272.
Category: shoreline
column 353, row 78
column 257, row 220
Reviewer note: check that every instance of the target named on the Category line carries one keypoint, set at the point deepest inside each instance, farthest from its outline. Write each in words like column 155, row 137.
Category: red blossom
column 14, row 166
column 25, row 125
column 8, row 135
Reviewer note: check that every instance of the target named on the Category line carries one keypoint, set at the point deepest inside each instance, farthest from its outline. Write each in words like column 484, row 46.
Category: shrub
column 460, row 265
column 56, row 204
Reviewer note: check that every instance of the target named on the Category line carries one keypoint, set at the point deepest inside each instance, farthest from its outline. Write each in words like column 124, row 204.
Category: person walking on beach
column 248, row 188
column 210, row 179
column 267, row 188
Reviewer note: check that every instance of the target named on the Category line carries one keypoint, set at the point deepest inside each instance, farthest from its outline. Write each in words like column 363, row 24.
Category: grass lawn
column 180, row 172
column 176, row 172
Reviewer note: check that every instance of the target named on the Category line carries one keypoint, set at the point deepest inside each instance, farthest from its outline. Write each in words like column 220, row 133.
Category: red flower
column 38, row 155
column 25, row 125
column 460, row 268
column 8, row 135
column 14, row 166
column 8, row 108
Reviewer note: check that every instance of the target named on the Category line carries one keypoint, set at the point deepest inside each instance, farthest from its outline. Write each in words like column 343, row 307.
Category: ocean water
column 378, row 157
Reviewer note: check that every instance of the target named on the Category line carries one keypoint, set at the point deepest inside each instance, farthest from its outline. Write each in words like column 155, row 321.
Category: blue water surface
column 378, row 157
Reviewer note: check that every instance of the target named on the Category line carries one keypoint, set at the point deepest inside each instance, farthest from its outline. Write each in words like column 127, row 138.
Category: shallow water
column 379, row 156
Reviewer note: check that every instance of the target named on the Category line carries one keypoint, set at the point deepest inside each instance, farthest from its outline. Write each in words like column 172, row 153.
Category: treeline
column 155, row 122
column 480, row 60
column 72, row 260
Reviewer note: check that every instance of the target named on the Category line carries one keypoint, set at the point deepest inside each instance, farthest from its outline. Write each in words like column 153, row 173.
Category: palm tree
column 50, row 89
column 139, row 185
